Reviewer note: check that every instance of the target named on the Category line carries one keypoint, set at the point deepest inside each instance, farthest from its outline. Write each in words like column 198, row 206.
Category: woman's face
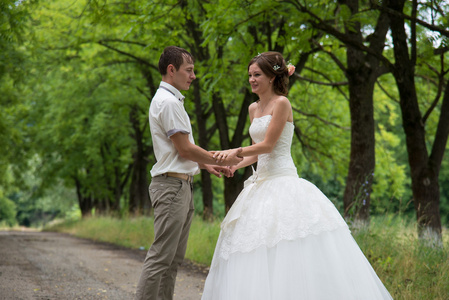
column 260, row 83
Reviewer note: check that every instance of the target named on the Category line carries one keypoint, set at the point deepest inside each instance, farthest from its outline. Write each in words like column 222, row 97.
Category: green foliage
column 218, row 200
column 408, row 268
column 390, row 189
column 206, row 235
column 8, row 211
column 82, row 98
column 72, row 76
column 36, row 206
column 13, row 22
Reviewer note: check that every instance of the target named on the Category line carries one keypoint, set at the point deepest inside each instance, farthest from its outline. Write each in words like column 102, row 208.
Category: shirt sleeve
column 174, row 118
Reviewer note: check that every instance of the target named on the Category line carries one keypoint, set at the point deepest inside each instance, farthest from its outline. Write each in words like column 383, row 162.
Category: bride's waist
column 267, row 174
column 280, row 163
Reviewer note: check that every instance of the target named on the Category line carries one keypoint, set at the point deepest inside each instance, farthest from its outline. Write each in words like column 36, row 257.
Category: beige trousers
column 172, row 201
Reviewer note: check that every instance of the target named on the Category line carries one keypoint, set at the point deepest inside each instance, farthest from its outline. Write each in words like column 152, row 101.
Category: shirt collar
column 166, row 86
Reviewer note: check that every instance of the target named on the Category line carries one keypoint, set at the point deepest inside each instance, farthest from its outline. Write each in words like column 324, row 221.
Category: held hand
column 232, row 170
column 228, row 157
column 226, row 171
column 220, row 155
column 219, row 170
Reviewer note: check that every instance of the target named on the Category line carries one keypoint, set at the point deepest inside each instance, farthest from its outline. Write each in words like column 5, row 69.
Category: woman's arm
column 192, row 152
column 281, row 113
column 247, row 161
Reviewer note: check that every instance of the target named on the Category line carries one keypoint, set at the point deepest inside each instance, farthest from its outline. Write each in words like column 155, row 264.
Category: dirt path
column 46, row 265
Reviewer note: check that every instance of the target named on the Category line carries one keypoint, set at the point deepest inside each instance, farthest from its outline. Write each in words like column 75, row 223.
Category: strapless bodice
column 280, row 159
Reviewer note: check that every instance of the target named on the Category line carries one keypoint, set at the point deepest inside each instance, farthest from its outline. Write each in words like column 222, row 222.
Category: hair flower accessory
column 276, row 67
column 291, row 69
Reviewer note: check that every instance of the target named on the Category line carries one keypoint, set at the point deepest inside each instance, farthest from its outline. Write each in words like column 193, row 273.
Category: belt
column 188, row 178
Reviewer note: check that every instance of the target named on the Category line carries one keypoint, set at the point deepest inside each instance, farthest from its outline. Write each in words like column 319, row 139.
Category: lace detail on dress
column 275, row 204
column 280, row 157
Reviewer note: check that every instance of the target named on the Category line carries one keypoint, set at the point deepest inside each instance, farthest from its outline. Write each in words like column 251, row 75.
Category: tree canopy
column 77, row 79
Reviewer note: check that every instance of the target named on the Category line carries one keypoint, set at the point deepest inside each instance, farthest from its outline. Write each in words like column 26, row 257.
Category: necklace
column 268, row 102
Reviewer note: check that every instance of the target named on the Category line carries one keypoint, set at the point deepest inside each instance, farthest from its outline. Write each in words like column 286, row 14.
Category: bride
column 282, row 238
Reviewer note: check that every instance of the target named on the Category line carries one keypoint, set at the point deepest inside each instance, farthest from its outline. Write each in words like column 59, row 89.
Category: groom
column 171, row 189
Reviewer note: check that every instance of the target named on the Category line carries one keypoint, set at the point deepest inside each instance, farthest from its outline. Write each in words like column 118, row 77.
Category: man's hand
column 232, row 170
column 228, row 157
column 219, row 170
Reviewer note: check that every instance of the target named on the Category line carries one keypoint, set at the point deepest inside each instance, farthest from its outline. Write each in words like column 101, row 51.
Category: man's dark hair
column 175, row 56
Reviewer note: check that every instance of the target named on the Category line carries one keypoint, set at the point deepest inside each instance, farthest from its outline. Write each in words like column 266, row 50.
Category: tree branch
column 440, row 86
column 337, row 85
column 118, row 62
column 332, row 55
column 122, row 41
column 306, row 145
column 143, row 93
column 319, row 23
column 386, row 92
column 397, row 14
column 320, row 119
column 138, row 59
column 441, row 135
column 334, row 84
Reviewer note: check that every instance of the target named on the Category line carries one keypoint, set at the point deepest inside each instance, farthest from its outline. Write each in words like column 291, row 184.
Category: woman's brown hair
column 273, row 64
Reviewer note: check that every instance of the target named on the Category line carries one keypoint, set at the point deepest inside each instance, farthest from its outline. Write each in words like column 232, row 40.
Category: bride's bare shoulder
column 252, row 109
column 253, row 105
column 283, row 102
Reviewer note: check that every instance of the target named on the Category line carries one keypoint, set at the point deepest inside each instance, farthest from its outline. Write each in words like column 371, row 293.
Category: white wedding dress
column 283, row 239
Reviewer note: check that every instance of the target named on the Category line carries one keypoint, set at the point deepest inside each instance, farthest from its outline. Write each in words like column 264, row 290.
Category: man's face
column 183, row 77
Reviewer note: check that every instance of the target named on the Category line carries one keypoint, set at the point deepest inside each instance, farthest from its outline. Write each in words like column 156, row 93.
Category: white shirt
column 168, row 116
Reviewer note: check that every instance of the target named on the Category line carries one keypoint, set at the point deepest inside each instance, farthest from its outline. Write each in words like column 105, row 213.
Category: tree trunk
column 139, row 201
column 118, row 191
column 208, row 196
column 85, row 203
column 356, row 198
column 102, row 206
column 206, row 181
column 424, row 172
column 202, row 54
column 362, row 72
column 233, row 185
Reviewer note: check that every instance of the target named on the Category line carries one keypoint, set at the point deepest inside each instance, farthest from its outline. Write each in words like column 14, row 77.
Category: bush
column 8, row 211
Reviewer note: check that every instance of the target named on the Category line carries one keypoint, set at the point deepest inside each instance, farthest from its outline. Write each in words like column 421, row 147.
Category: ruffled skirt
column 283, row 239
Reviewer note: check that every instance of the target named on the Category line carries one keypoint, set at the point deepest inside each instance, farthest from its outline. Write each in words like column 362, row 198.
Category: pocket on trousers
column 164, row 192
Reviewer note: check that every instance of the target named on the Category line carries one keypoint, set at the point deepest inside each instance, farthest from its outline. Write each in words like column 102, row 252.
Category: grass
column 409, row 269
column 132, row 233
column 138, row 233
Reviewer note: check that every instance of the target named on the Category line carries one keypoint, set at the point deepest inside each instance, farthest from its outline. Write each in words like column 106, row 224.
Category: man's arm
column 192, row 152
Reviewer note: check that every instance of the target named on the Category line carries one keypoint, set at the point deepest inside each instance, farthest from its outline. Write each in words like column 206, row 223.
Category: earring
column 270, row 81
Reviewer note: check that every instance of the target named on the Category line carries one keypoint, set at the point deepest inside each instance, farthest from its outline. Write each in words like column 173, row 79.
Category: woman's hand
column 219, row 170
column 227, row 157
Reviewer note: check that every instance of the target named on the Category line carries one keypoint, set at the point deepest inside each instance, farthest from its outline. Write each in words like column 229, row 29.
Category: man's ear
column 171, row 69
